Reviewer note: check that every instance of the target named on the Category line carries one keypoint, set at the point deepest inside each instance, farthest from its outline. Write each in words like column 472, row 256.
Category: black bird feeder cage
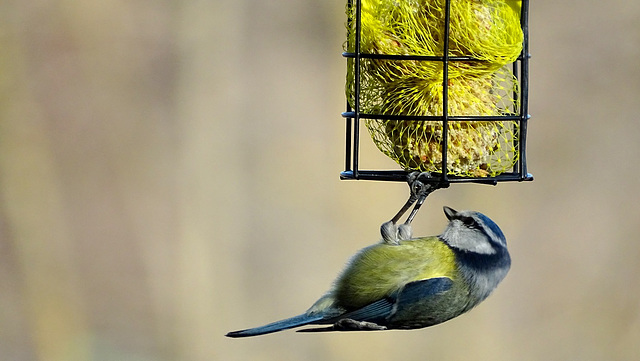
column 441, row 86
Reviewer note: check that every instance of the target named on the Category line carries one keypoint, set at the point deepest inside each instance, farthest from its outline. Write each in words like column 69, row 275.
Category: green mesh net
column 486, row 30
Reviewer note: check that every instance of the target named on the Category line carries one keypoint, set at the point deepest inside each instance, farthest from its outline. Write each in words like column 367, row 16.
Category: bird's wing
column 422, row 289
column 376, row 312
column 380, row 311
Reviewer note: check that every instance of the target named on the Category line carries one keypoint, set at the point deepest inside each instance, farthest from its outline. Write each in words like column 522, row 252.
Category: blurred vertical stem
column 210, row 101
column 30, row 195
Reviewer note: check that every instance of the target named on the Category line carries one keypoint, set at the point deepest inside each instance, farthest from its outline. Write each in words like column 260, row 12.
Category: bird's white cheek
column 468, row 240
column 483, row 247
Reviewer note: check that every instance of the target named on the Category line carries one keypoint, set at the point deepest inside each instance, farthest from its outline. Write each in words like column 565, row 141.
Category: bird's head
column 470, row 231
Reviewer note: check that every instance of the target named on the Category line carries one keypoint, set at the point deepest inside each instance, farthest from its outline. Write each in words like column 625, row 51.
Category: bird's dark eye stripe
column 469, row 222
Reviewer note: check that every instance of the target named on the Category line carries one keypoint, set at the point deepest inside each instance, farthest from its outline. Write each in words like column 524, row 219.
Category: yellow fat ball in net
column 487, row 31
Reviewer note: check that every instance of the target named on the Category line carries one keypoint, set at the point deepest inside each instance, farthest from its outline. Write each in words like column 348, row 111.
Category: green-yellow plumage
column 384, row 270
column 410, row 283
column 381, row 269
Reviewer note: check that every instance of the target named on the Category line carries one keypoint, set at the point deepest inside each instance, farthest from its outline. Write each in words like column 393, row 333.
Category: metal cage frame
column 354, row 116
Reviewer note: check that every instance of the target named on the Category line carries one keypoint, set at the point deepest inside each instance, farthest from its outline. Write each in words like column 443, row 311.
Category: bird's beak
column 449, row 212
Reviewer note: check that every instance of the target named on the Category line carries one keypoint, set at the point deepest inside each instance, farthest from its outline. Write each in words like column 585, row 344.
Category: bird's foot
column 405, row 232
column 389, row 232
column 393, row 234
column 347, row 324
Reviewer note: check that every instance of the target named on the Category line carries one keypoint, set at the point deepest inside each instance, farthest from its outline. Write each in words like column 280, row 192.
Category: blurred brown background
column 169, row 172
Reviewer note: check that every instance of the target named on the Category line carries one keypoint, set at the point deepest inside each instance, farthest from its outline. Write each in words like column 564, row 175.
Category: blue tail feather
column 292, row 322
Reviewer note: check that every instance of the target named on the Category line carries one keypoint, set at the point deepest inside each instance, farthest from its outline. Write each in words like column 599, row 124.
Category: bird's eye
column 469, row 222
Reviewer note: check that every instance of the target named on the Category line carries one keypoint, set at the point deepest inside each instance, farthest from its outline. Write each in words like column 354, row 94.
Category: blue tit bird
column 411, row 283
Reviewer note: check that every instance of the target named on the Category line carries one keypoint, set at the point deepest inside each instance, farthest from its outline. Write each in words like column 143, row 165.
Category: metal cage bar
column 353, row 115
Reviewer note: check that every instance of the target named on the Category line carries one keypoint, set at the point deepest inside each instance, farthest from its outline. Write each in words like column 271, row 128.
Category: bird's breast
column 382, row 269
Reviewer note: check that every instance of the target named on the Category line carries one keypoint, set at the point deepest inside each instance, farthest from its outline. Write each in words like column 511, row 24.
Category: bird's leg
column 404, row 230
column 389, row 229
column 391, row 232
column 422, row 190
column 347, row 324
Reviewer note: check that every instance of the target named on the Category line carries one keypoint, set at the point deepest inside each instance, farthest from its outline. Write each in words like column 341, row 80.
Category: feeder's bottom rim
column 401, row 176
